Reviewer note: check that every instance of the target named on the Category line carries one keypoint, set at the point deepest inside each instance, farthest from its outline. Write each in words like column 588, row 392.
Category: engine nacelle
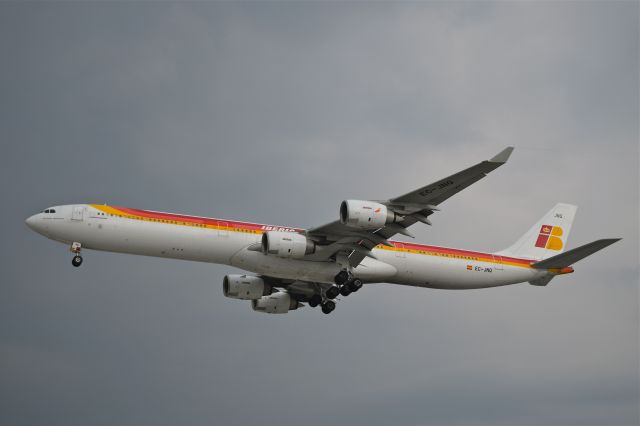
column 365, row 214
column 244, row 287
column 276, row 303
column 286, row 244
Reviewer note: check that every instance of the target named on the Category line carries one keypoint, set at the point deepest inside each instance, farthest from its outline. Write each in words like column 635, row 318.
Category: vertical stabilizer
column 548, row 237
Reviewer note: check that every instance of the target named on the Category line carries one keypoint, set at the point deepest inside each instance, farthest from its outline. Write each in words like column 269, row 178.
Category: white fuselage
column 147, row 233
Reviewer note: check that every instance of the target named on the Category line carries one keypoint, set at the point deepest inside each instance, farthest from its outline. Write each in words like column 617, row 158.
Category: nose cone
column 31, row 221
column 35, row 223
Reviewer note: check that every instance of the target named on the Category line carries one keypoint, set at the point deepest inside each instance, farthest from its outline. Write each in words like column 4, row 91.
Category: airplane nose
column 31, row 222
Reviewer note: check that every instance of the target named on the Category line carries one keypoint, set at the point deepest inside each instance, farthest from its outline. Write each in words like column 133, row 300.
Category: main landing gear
column 350, row 286
column 345, row 285
column 77, row 259
column 327, row 305
column 315, row 300
column 332, row 292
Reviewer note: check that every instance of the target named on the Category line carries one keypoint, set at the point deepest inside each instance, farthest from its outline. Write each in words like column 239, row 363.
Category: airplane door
column 77, row 212
column 400, row 252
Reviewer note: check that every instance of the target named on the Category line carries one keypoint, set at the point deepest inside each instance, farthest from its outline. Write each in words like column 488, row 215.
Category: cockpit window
column 49, row 211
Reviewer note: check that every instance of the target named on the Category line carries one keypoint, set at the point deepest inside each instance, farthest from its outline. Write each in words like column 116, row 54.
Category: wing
column 337, row 239
column 441, row 190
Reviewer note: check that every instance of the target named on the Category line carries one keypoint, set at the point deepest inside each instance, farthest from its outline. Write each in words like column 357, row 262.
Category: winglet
column 503, row 156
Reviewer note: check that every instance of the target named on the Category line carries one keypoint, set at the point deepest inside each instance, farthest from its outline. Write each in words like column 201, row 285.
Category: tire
column 328, row 306
column 341, row 277
column 332, row 292
column 345, row 290
column 76, row 261
column 315, row 300
column 355, row 285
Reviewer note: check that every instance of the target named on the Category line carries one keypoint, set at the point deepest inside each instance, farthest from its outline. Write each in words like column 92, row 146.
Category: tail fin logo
column 549, row 238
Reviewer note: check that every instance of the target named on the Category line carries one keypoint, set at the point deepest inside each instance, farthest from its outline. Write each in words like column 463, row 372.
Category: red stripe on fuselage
column 232, row 224
column 458, row 252
column 200, row 220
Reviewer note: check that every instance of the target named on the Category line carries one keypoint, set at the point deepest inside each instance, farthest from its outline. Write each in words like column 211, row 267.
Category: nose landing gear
column 77, row 259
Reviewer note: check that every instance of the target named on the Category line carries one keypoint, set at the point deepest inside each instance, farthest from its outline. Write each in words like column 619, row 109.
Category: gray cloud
column 275, row 113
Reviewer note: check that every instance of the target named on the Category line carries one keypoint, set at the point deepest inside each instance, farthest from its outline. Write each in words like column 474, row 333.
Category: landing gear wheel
column 355, row 285
column 76, row 261
column 341, row 278
column 332, row 292
column 328, row 306
column 315, row 300
column 345, row 290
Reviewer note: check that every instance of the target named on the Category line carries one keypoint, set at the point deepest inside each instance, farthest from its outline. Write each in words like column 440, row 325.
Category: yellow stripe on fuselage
column 487, row 258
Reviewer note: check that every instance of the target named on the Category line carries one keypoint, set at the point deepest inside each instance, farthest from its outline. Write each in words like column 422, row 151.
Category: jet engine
column 287, row 244
column 276, row 303
column 365, row 214
column 244, row 287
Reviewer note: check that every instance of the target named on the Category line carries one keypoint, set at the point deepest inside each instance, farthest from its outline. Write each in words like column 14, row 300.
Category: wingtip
column 503, row 155
column 606, row 242
column 611, row 240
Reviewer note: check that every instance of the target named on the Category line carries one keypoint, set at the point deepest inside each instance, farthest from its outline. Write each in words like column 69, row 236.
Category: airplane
column 293, row 266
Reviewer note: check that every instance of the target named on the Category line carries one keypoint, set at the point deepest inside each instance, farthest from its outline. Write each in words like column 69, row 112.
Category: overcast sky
column 274, row 113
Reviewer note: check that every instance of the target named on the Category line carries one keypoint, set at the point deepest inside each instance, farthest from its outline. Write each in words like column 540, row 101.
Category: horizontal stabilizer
column 572, row 256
